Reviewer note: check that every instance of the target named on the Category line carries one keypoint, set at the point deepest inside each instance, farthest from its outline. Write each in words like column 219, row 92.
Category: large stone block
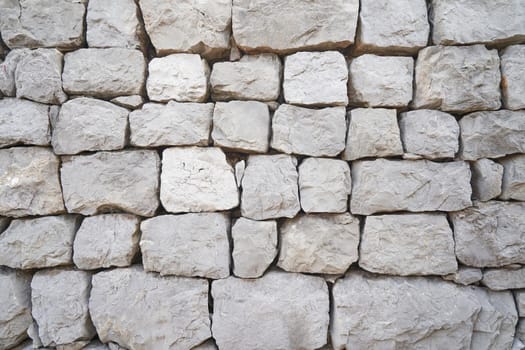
column 513, row 185
column 487, row 177
column 502, row 279
column 8, row 69
column 513, row 84
column 465, row 275
column 24, row 122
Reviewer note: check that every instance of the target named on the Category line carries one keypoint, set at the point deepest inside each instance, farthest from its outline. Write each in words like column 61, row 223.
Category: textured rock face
column 487, row 177
column 520, row 302
column 408, row 244
column 24, row 122
column 387, row 185
column 512, row 67
column 287, row 311
column 502, row 279
column 465, row 275
column 181, row 319
column 131, row 102
column 7, row 73
column 457, row 79
column 126, row 180
column 513, row 186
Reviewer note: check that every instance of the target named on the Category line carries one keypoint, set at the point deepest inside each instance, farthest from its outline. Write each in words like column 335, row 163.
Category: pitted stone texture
column 131, row 102
column 388, row 185
column 269, row 187
column 24, row 23
column 372, row 132
column 23, row 122
column 197, row 179
column 513, row 186
column 192, row 245
column 256, row 77
column 465, row 275
column 277, row 311
column 181, row 77
column 173, row 124
column 492, row 134
column 8, row 69
column 319, row 243
column 241, row 126
column 29, row 182
column 315, row 79
column 88, row 124
column 513, row 84
column 106, row 240
column 324, row 185
column 487, row 177
column 408, row 244
column 60, row 306
column 313, row 132
column 294, row 25
column 502, row 279
column 457, row 79
column 254, row 247
column 126, row 180
column 380, row 81
column 107, row 73
column 121, row 306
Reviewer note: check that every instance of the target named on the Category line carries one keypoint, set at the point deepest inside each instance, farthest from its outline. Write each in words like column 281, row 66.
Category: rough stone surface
column 106, row 240
column 457, row 79
column 24, row 122
column 131, row 102
column 313, row 132
column 513, row 84
column 197, row 179
column 513, row 186
column 465, row 275
column 121, row 306
column 126, row 180
column 502, row 279
column 408, row 244
column 8, row 69
column 520, row 302
column 487, row 177
column 287, row 311
column 388, row 185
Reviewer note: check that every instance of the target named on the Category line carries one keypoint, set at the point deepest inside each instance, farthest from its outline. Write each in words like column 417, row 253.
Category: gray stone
column 519, row 295
column 130, row 102
column 487, row 177
column 513, row 85
column 209, row 345
column 502, row 279
column 465, row 275
column 520, row 329
column 24, row 122
column 513, row 186
column 240, row 166
column 8, row 69
column 96, row 345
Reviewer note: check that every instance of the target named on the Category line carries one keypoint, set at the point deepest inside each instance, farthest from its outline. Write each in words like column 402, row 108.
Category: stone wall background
column 181, row 174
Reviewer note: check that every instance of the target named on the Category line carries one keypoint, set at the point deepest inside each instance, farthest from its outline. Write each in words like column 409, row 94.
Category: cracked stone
column 24, row 122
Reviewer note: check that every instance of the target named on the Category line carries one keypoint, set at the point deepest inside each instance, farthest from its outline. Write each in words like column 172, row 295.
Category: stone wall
column 270, row 174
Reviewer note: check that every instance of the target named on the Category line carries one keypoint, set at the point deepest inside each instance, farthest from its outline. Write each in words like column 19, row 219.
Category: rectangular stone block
column 24, row 122
column 513, row 184
column 503, row 279
column 487, row 177
column 512, row 82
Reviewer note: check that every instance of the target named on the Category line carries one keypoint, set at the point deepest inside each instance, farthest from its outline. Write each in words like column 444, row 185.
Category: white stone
column 465, row 275
column 502, row 279
column 513, row 84
column 24, row 122
column 240, row 166
column 209, row 345
column 520, row 302
column 513, row 185
column 8, row 69
column 130, row 102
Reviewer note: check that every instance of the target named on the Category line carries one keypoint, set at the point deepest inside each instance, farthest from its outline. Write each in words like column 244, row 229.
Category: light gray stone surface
column 513, row 84
column 513, row 186
column 465, row 275
column 519, row 295
column 502, row 279
column 131, row 102
column 209, row 345
column 8, row 69
column 24, row 122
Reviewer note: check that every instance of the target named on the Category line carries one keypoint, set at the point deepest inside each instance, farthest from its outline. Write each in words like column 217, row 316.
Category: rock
column 8, row 69
column 181, row 319
column 240, row 166
column 501, row 279
column 96, row 345
column 88, row 124
column 29, row 182
column 487, row 177
column 126, row 180
column 241, row 126
column 457, row 79
column 104, row 241
column 269, row 187
column 254, row 247
column 24, row 122
column 313, row 132
column 520, row 329
column 4, row 222
column 408, row 244
column 390, row 185
column 513, row 186
column 465, row 275
column 256, row 77
column 520, row 302
column 319, row 243
column 294, row 25
column 192, row 245
column 60, row 306
column 372, row 132
column 181, row 77
column 277, row 311
column 130, row 102
column 105, row 73
column 518, row 344
column 173, row 124
column 315, row 79
column 195, row 179
column 209, row 345
column 324, row 185
column 513, row 86
column 38, row 76
column 380, row 81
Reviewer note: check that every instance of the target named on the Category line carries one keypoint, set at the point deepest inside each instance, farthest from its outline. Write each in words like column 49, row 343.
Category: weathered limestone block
column 372, row 132
column 513, row 84
column 408, row 244
column 106, row 240
column 209, row 345
column 294, row 25
column 180, row 321
column 254, row 247
column 192, row 245
column 520, row 329
column 380, row 81
column 520, row 302
column 269, row 187
column 29, row 182
column 181, row 77
column 195, row 179
column 60, row 306
column 104, row 73
column 241, row 126
column 513, row 186
column 23, row 122
column 465, row 275
column 313, row 132
column 130, row 102
column 277, row 311
column 319, row 243
column 501, row 279
column 88, row 124
column 256, row 77
column 315, row 79
column 96, row 345
column 388, row 185
column 324, row 185
column 126, row 180
column 8, row 69
column 457, row 79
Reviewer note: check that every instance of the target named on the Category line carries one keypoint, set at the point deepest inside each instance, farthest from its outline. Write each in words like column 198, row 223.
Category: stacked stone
column 237, row 174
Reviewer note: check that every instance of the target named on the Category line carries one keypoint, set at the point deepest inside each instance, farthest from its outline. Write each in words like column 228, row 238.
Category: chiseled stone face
column 487, row 177
column 503, row 279
column 24, row 122
column 513, row 186
column 513, row 84
column 465, row 275
column 7, row 73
